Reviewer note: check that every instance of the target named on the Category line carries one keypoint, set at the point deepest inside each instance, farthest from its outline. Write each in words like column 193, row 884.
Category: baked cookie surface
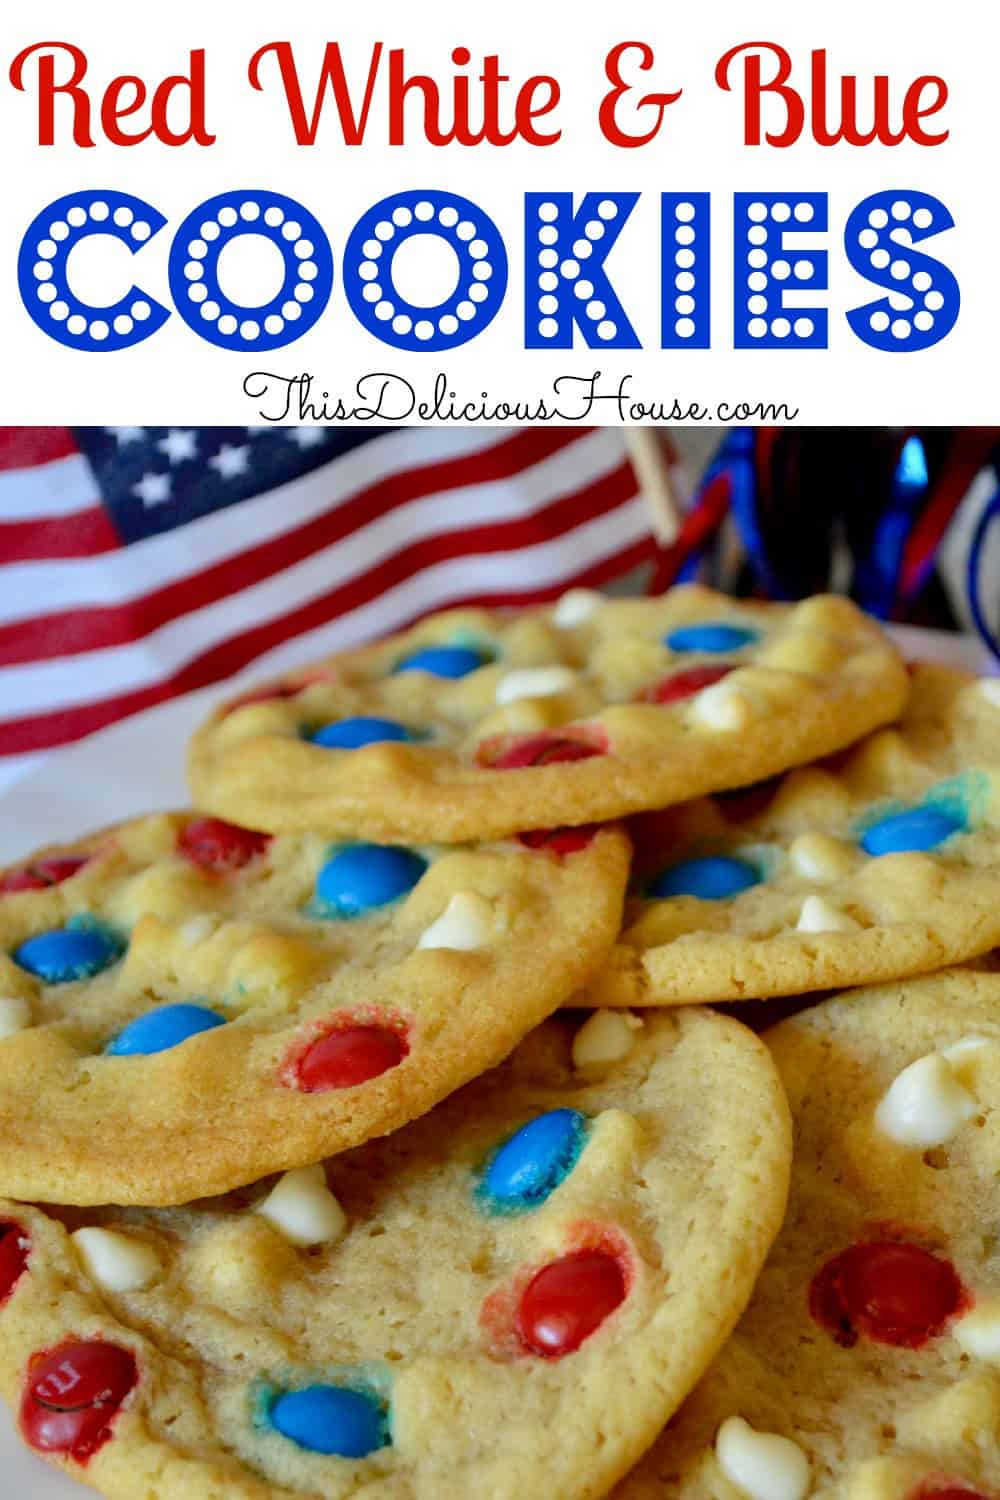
column 476, row 725
column 866, row 1364
column 505, row 1298
column 186, row 1005
column 881, row 863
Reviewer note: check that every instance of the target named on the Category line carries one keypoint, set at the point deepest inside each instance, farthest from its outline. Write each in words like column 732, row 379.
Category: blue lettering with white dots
column 686, row 290
column 766, row 263
column 880, row 240
column 567, row 290
column 566, row 286
column 42, row 271
column 376, row 300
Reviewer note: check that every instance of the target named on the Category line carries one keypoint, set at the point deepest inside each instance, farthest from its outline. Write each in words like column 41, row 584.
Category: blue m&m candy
column 331, row 1419
column 444, row 661
column 919, row 828
column 713, row 878
column 712, row 636
column 533, row 1163
column 352, row 734
column 159, row 1030
column 364, row 876
column 67, row 953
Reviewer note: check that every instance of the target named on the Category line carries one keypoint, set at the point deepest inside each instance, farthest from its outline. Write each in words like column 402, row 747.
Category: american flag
column 137, row 563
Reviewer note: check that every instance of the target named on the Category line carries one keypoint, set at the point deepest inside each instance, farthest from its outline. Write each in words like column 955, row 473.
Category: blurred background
column 139, row 564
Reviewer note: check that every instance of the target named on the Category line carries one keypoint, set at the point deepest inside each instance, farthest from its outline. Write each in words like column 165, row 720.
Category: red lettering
column 123, row 97
column 608, row 114
column 113, row 110
column 847, row 128
column 332, row 75
column 525, row 111
column 420, row 83
column 913, row 112
column 48, row 89
column 754, row 88
column 833, row 105
column 176, row 87
column 444, row 120
column 458, row 127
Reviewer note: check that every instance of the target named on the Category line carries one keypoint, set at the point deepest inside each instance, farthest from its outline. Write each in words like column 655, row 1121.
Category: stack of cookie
column 367, row 1131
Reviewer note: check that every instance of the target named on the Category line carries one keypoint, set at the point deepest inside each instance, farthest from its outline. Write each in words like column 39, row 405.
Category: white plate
column 137, row 767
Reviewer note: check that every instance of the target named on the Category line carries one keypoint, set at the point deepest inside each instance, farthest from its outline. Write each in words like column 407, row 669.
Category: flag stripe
column 415, row 535
column 443, row 581
column 172, row 556
column 141, row 563
column 72, row 630
column 60, row 488
column 87, row 533
column 24, row 447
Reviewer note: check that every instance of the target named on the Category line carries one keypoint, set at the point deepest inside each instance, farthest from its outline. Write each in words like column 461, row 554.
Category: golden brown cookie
column 476, row 725
column 186, row 1005
column 867, row 1366
column 883, row 862
column 504, row 1299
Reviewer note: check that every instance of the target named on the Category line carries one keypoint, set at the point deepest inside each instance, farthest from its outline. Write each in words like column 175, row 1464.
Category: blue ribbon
column 877, row 581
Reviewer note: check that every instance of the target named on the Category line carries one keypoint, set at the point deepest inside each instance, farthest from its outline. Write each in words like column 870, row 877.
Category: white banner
column 242, row 216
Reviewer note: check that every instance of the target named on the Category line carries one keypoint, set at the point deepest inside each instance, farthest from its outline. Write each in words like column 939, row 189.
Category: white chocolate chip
column 605, row 1037
column 989, row 688
column 763, row 1465
column 15, row 1015
column 466, row 923
column 959, row 1050
column 723, row 706
column 197, row 929
column 116, row 1261
column 534, row 682
column 302, row 1208
column 817, row 856
column 926, row 1104
column 818, row 915
column 978, row 1333
column 576, row 606
column 962, row 1058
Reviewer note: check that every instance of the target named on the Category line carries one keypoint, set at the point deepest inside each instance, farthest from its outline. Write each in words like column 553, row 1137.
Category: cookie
column 506, row 1298
column 186, row 1005
column 867, row 1365
column 882, row 863
column 475, row 725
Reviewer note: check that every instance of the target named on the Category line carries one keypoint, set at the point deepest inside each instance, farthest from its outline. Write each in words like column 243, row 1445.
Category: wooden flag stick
column 648, row 457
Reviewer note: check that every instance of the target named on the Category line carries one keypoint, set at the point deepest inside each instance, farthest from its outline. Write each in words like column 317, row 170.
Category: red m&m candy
column 15, row 1247
column 567, row 1300
column 560, row 840
column 214, row 845
column 681, row 685
column 348, row 1056
column 41, row 874
column 888, row 1291
column 544, row 749
column 943, row 1491
column 72, row 1396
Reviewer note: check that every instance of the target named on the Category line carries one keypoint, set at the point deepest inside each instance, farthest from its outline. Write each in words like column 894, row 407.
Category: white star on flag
column 153, row 489
column 306, row 437
column 125, row 435
column 231, row 460
column 179, row 444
